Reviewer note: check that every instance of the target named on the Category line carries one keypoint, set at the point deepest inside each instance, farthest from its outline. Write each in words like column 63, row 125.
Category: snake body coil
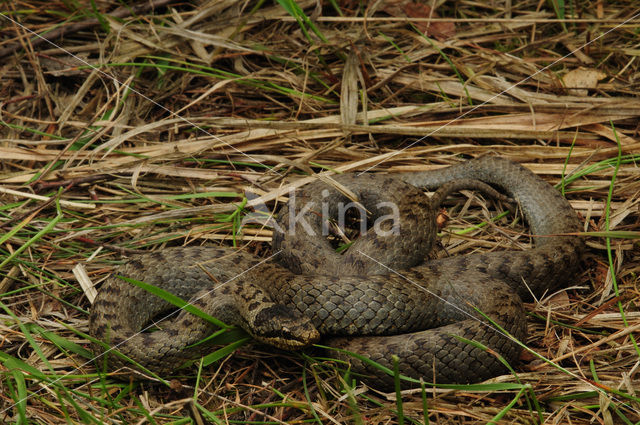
column 377, row 300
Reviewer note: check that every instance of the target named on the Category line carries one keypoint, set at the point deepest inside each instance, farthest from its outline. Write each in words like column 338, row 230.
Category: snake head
column 284, row 328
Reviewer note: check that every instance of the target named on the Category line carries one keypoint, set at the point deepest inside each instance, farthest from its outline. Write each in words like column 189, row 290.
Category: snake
column 457, row 319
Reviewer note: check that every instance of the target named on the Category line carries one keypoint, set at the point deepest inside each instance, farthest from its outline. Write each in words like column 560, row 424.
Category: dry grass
column 184, row 109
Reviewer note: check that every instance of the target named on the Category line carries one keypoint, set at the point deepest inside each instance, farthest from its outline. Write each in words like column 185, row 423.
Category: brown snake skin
column 353, row 302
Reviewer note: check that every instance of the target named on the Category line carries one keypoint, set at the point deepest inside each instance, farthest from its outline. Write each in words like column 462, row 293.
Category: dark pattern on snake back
column 350, row 301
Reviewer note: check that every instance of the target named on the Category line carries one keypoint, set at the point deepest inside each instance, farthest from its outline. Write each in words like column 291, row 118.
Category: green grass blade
column 496, row 419
column 18, row 390
column 396, row 383
column 224, row 351
column 175, row 300
column 607, row 218
column 31, row 241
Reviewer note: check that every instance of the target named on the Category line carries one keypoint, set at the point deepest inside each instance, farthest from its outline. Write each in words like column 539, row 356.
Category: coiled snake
column 376, row 300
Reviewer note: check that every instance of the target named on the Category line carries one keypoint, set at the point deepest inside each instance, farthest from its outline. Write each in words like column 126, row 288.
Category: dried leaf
column 578, row 81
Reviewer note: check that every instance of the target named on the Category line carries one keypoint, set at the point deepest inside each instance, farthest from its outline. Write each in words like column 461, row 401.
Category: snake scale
column 378, row 300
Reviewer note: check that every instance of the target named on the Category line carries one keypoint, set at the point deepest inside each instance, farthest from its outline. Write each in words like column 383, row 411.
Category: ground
column 141, row 125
